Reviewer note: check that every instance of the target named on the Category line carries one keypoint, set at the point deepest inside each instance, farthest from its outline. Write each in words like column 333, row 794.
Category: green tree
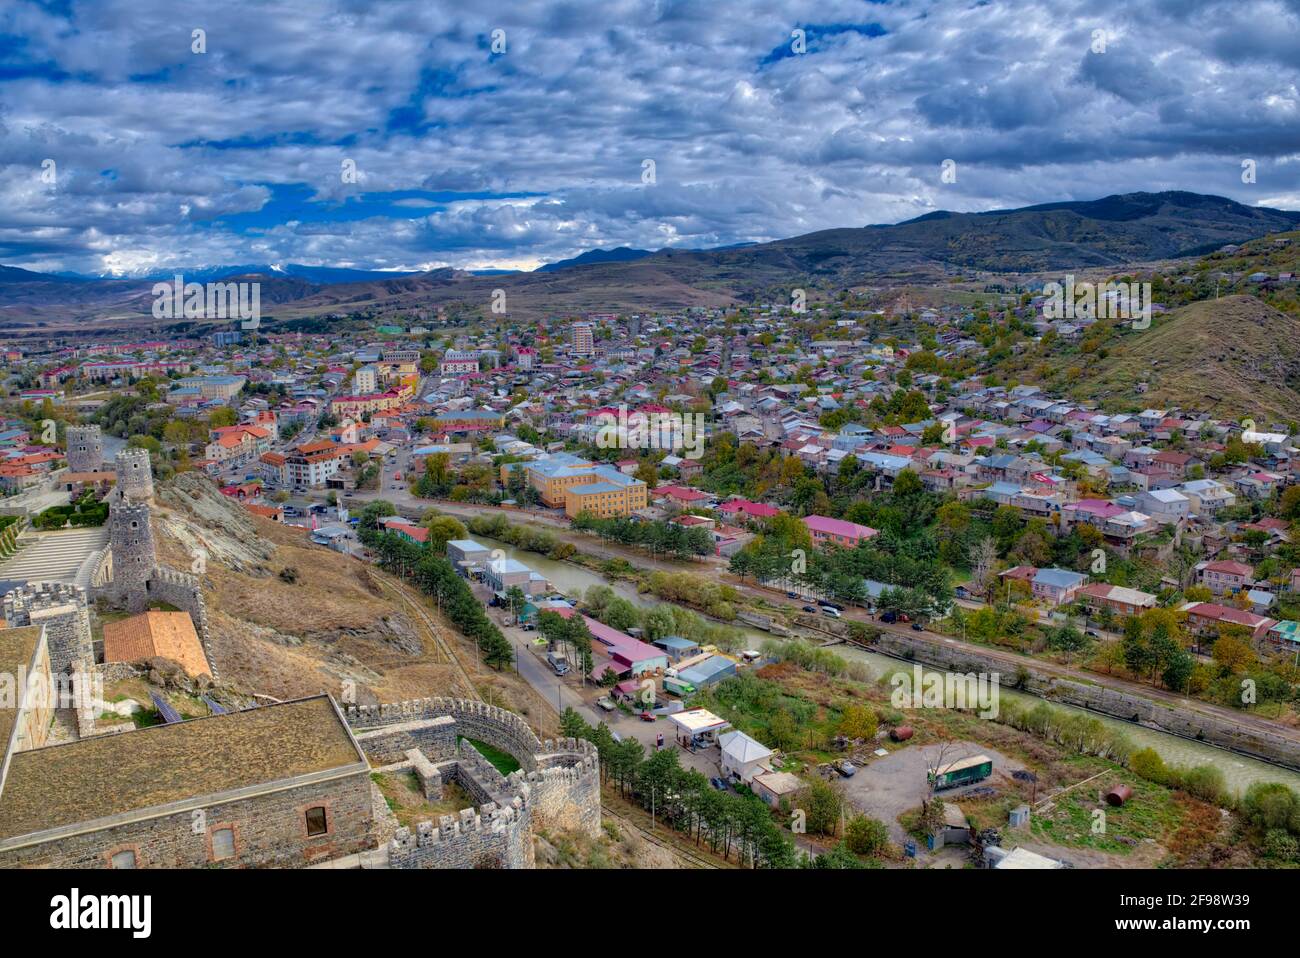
column 866, row 836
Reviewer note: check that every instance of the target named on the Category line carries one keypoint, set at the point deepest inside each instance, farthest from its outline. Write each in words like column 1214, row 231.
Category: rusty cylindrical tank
column 1118, row 795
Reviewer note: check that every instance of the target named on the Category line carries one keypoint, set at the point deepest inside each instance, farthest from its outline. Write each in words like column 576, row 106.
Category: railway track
column 423, row 615
column 683, row 854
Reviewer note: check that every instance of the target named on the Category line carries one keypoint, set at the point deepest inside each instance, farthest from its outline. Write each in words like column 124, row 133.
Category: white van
column 833, row 613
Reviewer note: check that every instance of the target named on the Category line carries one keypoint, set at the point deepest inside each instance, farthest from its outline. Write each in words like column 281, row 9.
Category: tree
column 983, row 561
column 1178, row 671
column 1232, row 651
column 442, row 529
column 858, row 722
column 1066, row 638
column 368, row 521
column 221, row 417
column 1138, row 655
column 866, row 836
column 822, row 806
column 840, row 857
column 515, row 596
column 783, row 730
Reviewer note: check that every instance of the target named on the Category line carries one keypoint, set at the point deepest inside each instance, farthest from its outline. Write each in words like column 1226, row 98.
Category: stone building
column 131, row 542
column 134, row 474
column 85, row 449
column 283, row 785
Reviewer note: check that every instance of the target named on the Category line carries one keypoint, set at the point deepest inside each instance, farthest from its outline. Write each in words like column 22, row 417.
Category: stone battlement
column 184, row 580
column 85, row 448
column 19, row 603
column 489, row 837
column 556, row 786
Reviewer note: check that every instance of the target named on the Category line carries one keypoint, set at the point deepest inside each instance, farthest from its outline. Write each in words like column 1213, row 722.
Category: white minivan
column 832, row 612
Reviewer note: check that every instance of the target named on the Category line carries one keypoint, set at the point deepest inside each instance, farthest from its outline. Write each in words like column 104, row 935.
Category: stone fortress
column 279, row 785
column 556, row 787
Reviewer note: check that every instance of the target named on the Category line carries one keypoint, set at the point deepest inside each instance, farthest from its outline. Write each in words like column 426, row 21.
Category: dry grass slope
column 1234, row 357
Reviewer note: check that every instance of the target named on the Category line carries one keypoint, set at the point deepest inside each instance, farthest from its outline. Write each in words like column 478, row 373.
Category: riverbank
column 1220, row 737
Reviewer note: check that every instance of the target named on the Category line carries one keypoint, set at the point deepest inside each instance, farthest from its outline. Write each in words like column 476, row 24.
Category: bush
column 1271, row 805
column 1280, row 844
column 1206, row 783
column 866, row 836
column 1148, row 764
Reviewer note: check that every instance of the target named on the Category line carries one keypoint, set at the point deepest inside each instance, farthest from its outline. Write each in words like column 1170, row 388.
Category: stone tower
column 85, row 449
column 131, row 540
column 134, row 475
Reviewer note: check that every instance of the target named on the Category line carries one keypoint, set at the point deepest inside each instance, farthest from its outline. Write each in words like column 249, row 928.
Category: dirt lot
column 894, row 784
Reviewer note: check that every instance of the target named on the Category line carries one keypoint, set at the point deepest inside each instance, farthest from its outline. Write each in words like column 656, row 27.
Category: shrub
column 866, row 836
column 1206, row 783
column 1280, row 844
column 1148, row 764
column 1271, row 805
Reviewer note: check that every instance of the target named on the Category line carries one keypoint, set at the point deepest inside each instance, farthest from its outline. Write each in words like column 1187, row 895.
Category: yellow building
column 566, row 481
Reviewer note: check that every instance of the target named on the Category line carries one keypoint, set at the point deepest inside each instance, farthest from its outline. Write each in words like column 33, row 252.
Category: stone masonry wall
column 486, row 723
column 270, row 831
column 1269, row 746
column 565, row 794
column 556, row 787
column 62, row 609
column 435, row 738
column 85, row 451
column 183, row 591
column 490, row 837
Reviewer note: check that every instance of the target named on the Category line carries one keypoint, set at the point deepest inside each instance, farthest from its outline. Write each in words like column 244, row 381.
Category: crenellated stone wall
column 477, row 720
column 62, row 609
column 433, row 737
column 184, row 591
column 556, row 787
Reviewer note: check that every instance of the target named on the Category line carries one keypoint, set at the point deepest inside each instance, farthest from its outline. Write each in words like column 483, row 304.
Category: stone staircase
column 55, row 556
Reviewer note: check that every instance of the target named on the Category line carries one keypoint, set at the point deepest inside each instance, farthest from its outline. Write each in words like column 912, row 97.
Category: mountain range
column 1109, row 233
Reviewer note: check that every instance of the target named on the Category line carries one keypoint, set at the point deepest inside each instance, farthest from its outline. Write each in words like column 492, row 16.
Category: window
column 316, row 824
column 223, row 843
column 124, row 859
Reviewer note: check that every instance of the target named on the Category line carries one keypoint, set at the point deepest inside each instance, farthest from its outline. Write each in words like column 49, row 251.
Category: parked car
column 605, row 703
column 792, row 595
column 917, row 627
column 834, row 605
column 719, row 784
column 810, row 608
column 889, row 617
column 833, row 613
column 647, row 717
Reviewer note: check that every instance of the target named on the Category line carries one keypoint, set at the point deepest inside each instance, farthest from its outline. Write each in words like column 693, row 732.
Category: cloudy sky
column 387, row 134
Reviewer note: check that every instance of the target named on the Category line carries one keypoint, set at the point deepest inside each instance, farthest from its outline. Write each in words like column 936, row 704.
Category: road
column 777, row 597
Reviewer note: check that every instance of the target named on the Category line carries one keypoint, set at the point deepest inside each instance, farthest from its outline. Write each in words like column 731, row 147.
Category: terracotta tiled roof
column 167, row 634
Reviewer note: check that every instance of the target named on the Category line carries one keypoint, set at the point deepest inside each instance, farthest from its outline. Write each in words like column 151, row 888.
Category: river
column 1239, row 772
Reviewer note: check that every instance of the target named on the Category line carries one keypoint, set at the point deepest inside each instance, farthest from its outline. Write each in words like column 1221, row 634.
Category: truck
column 677, row 686
column 964, row 771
